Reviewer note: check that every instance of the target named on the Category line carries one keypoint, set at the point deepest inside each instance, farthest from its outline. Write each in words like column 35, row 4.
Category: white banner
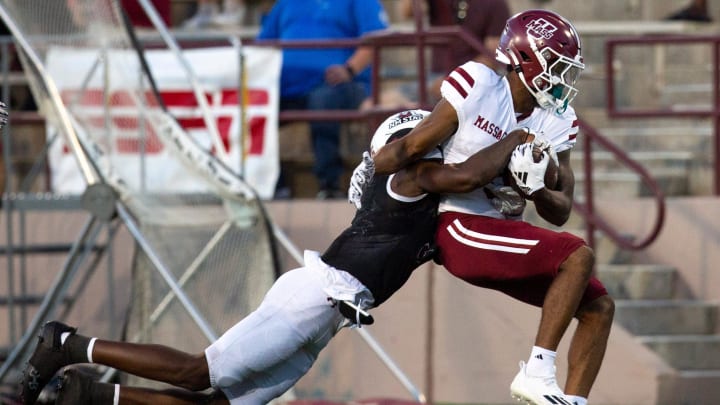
column 217, row 70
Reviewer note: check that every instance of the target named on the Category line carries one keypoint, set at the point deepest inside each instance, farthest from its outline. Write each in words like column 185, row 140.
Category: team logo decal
column 404, row 117
column 541, row 28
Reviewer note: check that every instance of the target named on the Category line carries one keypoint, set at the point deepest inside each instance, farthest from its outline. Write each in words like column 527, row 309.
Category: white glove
column 528, row 175
column 3, row 114
column 506, row 200
column 360, row 177
column 544, row 145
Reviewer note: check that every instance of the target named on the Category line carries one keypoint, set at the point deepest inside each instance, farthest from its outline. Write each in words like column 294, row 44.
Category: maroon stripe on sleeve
column 466, row 76
column 457, row 86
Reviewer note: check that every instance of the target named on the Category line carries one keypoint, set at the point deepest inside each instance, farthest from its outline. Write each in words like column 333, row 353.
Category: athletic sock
column 541, row 362
column 576, row 400
column 78, row 347
column 103, row 393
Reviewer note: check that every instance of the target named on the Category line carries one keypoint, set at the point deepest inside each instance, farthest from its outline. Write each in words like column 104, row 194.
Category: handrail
column 713, row 112
column 587, row 209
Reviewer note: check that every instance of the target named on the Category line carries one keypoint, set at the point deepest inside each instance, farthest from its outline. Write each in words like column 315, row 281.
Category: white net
column 201, row 220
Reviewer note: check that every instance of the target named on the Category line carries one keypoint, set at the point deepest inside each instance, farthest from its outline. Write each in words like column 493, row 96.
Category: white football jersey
column 560, row 129
column 483, row 103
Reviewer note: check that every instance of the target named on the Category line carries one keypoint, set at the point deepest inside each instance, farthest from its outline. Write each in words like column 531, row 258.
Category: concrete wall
column 689, row 240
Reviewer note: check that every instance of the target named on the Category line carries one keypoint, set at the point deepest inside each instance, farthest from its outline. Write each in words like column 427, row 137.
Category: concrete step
column 650, row 160
column 624, row 184
column 667, row 317
column 638, row 281
column 609, row 185
column 659, row 137
column 697, row 387
column 598, row 118
column 687, row 352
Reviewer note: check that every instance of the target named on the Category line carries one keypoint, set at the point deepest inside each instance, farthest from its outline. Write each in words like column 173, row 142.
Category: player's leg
column 59, row 345
column 588, row 344
column 79, row 388
column 147, row 396
column 154, row 362
column 261, row 357
column 563, row 297
column 532, row 264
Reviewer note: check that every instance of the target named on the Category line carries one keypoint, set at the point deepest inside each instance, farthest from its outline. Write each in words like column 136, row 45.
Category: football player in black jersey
column 268, row 351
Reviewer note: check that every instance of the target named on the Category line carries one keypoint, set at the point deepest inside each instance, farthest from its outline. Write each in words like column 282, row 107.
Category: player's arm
column 478, row 170
column 432, row 131
column 555, row 205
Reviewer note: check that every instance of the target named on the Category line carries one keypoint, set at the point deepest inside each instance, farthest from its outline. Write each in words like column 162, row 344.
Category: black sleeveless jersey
column 387, row 240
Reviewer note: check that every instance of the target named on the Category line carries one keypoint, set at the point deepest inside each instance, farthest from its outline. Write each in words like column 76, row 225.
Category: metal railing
column 587, row 209
column 713, row 112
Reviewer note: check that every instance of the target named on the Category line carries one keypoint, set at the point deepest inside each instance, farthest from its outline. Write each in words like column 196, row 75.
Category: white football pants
column 267, row 352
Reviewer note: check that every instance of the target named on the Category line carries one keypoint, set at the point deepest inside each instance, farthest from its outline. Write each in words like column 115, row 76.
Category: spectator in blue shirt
column 324, row 78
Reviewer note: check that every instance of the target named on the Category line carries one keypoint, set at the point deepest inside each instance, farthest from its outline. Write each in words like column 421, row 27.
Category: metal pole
column 91, row 177
column 419, row 396
column 186, row 276
column 242, row 104
column 88, row 233
column 197, row 89
column 8, row 207
column 129, row 221
column 716, row 115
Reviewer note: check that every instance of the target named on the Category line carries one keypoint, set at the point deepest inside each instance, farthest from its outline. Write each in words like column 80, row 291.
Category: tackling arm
column 432, row 131
column 555, row 205
column 478, row 170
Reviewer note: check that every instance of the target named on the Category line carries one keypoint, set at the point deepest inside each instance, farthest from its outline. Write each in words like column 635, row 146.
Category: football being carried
column 533, row 166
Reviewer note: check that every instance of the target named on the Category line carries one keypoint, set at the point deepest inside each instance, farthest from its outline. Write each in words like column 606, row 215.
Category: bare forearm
column 477, row 171
column 552, row 206
column 555, row 205
column 490, row 162
column 360, row 59
column 431, row 132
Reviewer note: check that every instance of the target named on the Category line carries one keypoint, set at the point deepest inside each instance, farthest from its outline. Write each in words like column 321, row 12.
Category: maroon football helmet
column 544, row 49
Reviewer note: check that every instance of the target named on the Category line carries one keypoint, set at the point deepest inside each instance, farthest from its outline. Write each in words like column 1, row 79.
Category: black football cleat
column 49, row 357
column 75, row 388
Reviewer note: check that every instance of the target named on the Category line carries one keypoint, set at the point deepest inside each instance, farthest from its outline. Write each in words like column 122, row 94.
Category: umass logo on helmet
column 541, row 28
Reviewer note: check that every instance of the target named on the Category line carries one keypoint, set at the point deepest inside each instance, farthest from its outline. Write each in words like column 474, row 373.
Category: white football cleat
column 537, row 390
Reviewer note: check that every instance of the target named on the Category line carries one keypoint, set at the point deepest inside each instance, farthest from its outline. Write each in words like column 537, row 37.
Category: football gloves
column 506, row 200
column 360, row 177
column 529, row 176
column 541, row 142
column 544, row 145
